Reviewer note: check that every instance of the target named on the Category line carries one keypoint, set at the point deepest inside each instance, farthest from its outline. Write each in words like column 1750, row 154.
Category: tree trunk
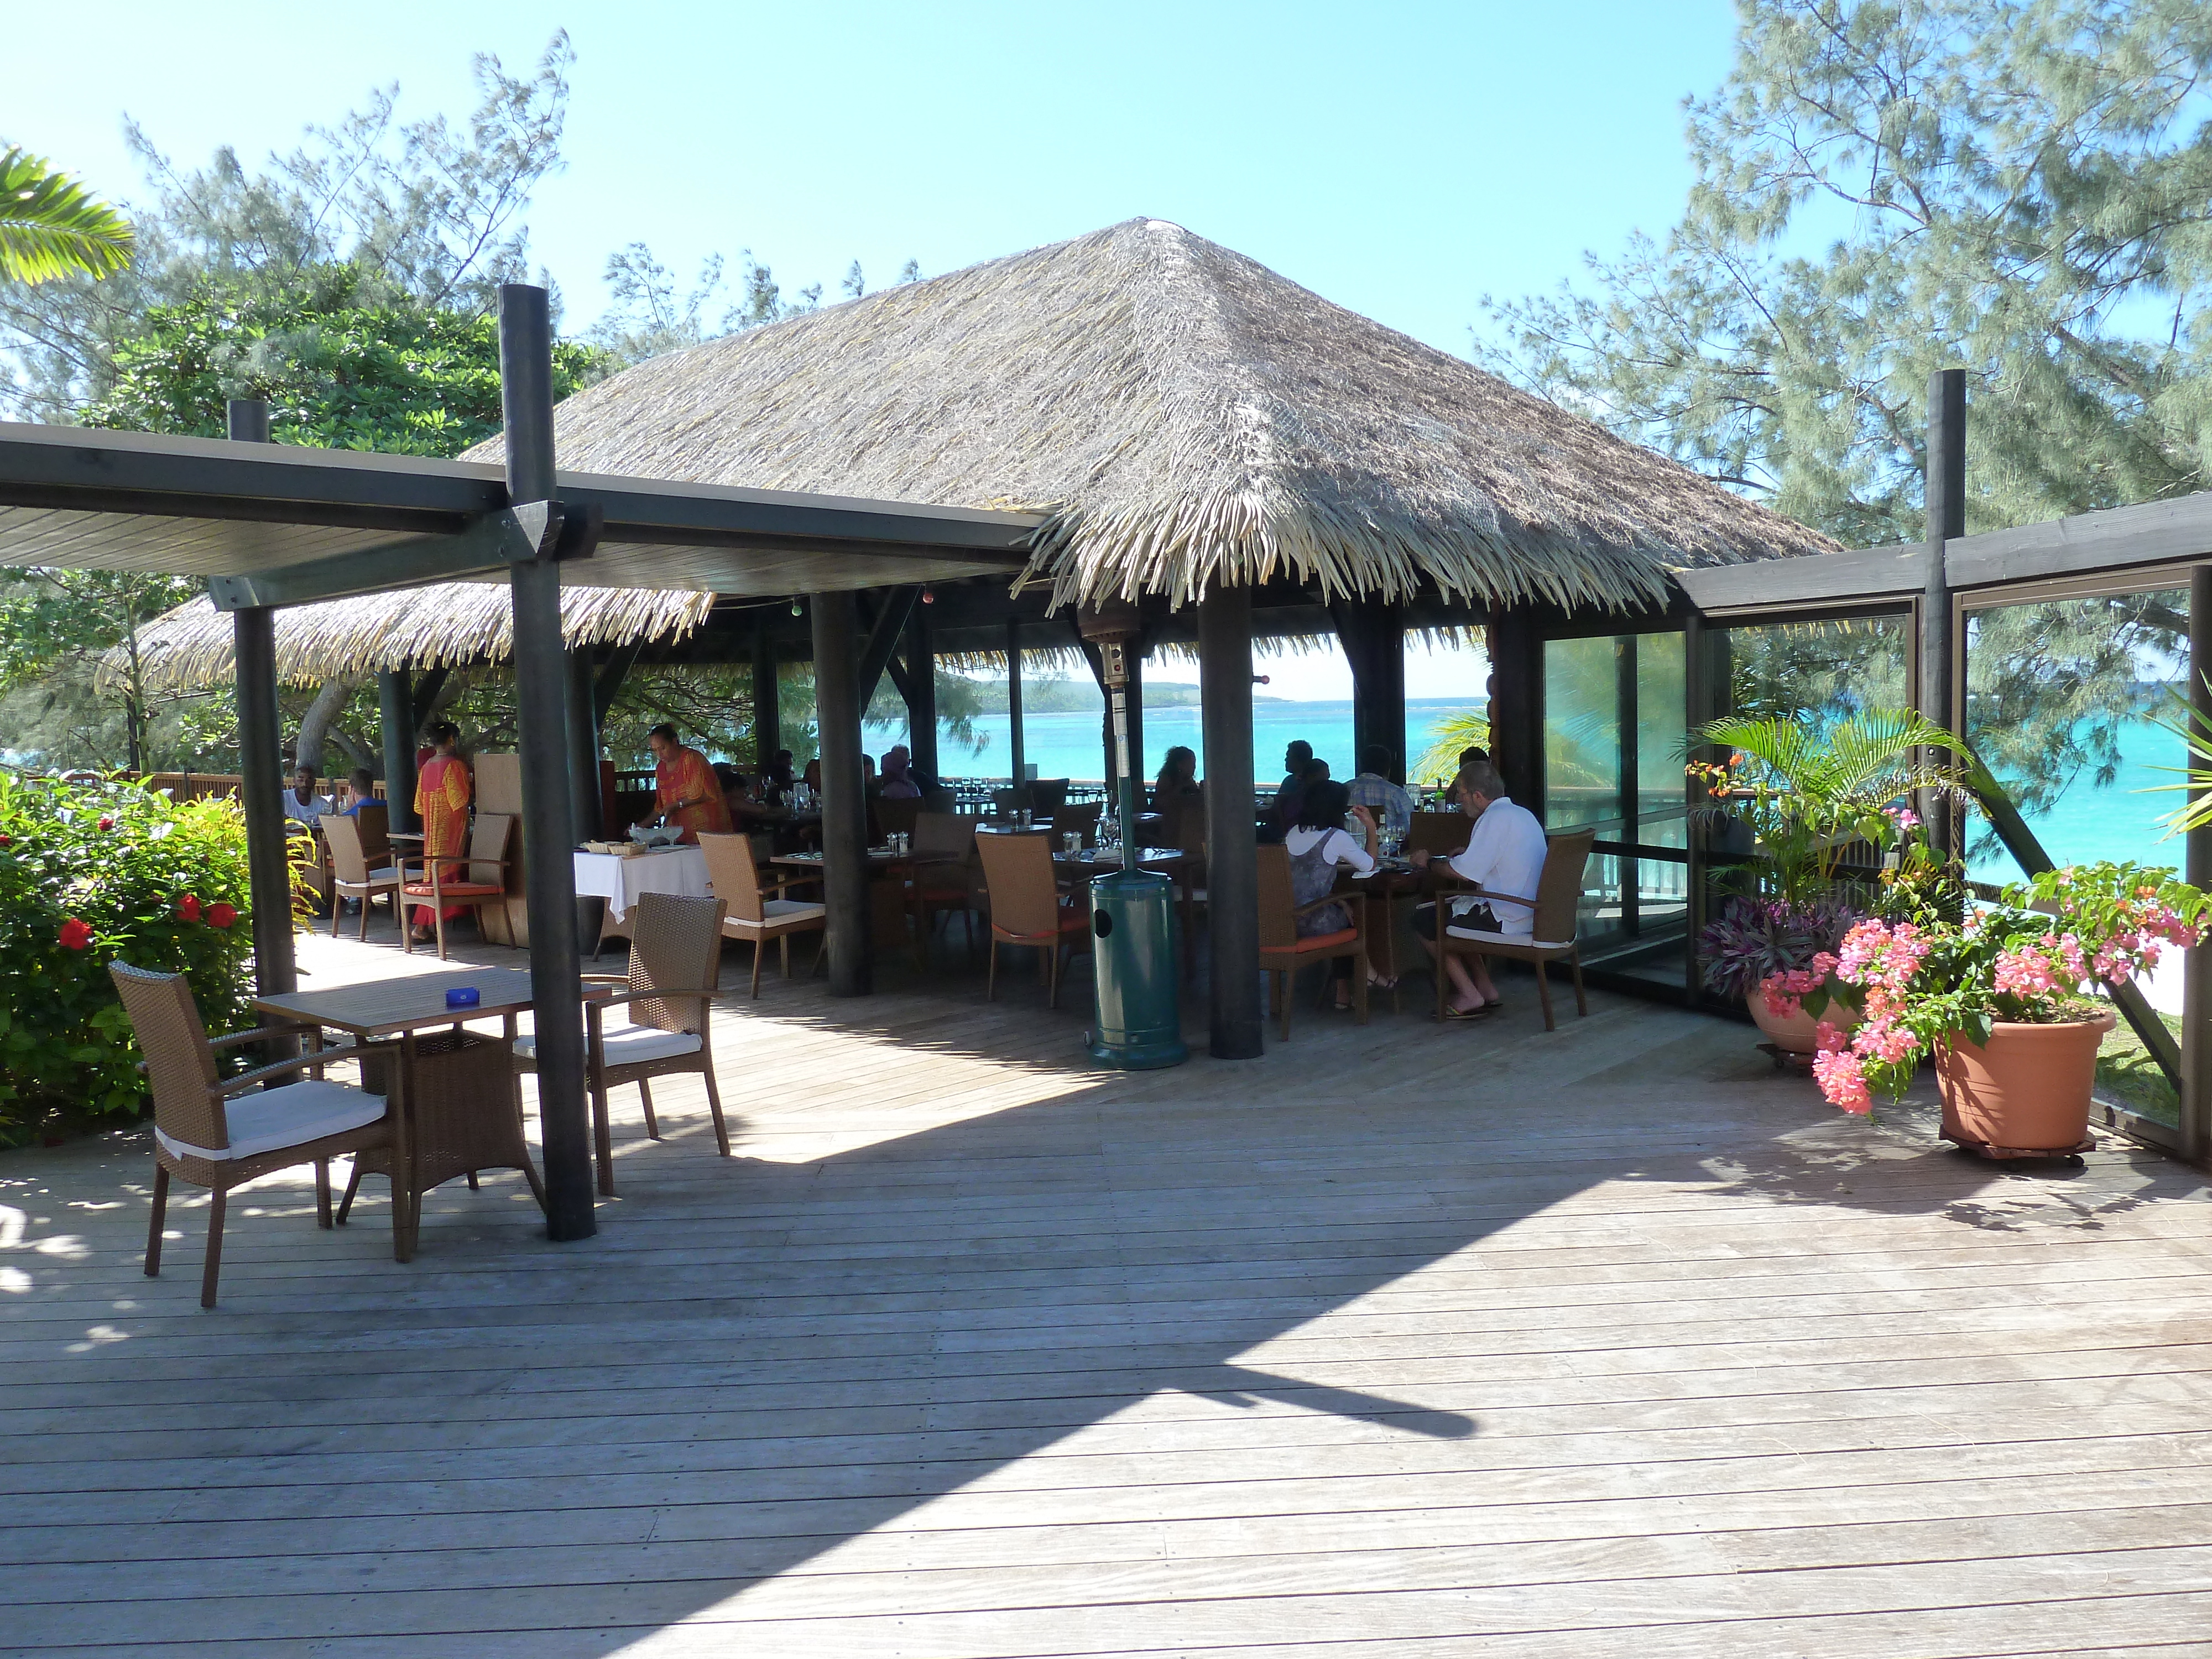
column 315, row 724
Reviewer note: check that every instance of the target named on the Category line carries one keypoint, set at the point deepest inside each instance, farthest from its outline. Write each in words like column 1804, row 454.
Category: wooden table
column 1392, row 879
column 453, row 1121
column 887, row 920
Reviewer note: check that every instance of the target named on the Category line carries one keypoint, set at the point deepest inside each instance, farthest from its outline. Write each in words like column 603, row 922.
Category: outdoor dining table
column 459, row 1099
column 1164, row 861
column 619, row 878
column 1391, row 880
column 887, row 900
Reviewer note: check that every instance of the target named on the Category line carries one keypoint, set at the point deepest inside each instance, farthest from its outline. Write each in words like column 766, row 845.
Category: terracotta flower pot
column 1794, row 1033
column 2026, row 1094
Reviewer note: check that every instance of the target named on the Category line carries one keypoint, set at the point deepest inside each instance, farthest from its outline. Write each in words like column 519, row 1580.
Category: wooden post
column 1516, row 706
column 583, row 720
column 921, row 690
column 395, row 707
column 768, row 722
column 1232, row 846
column 1014, row 704
column 1947, row 521
column 541, row 677
column 2196, row 983
column 261, row 763
column 837, row 710
column 1704, row 683
column 1373, row 635
column 1134, row 714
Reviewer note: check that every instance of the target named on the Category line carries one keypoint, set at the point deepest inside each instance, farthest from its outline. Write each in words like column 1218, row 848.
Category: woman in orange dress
column 442, row 791
column 685, row 786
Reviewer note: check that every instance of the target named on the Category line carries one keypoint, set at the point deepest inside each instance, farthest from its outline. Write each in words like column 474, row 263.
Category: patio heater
column 1134, row 954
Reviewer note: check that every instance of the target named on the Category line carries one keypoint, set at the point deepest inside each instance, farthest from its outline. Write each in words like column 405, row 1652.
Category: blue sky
column 1401, row 159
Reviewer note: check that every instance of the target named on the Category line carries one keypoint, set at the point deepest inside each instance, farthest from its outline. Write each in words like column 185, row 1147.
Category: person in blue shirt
column 1391, row 807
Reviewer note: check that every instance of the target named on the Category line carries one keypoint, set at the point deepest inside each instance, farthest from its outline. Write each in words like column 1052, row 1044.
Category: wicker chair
column 480, row 880
column 945, row 873
column 1557, row 906
column 675, row 963
column 1047, row 794
column 357, row 872
column 1027, row 907
column 1283, row 953
column 895, row 818
column 757, row 911
column 208, row 1130
column 1081, row 819
column 1438, row 834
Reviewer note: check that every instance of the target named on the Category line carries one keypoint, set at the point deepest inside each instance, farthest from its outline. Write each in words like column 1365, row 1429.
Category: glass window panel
column 1660, row 791
column 1582, row 734
column 1820, row 670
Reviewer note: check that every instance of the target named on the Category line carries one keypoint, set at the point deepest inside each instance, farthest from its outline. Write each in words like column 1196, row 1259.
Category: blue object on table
column 464, row 996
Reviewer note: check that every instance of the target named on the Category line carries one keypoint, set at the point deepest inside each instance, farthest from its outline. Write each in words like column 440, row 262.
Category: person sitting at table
column 811, row 777
column 1504, row 856
column 776, row 781
column 1392, row 806
column 443, row 790
column 359, row 790
column 684, row 788
column 1297, row 755
column 746, row 810
column 1174, row 792
column 1318, row 843
column 898, row 782
column 302, row 805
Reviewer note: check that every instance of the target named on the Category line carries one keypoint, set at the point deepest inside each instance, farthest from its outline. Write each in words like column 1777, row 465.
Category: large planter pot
column 2024, row 1094
column 1794, row 1034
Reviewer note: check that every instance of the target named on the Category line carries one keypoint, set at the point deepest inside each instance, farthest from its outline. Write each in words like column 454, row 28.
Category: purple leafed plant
column 1756, row 938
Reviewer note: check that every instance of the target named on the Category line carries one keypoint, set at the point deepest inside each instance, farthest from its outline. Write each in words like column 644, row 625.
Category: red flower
column 107, row 823
column 189, row 908
column 6, row 841
column 76, row 934
column 220, row 915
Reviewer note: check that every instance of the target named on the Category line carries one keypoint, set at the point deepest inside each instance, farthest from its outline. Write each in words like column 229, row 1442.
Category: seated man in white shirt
column 1504, row 856
column 302, row 805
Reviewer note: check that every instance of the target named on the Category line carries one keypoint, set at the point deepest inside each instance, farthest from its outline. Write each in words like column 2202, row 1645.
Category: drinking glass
column 1071, row 842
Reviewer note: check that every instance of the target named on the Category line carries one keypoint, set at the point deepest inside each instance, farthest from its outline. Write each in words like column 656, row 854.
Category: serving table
column 457, row 1090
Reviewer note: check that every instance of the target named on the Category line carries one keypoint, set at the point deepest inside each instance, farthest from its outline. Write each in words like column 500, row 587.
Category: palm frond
column 1875, row 753
column 2194, row 728
column 51, row 226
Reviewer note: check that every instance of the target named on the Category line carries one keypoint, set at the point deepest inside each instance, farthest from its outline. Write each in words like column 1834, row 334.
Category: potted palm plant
column 1817, row 805
column 2000, row 1001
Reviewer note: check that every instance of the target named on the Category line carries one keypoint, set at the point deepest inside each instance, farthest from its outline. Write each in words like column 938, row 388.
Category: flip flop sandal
column 1482, row 1012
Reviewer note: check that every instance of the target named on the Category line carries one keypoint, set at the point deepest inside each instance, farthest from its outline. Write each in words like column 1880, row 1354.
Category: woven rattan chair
column 1438, row 834
column 1081, row 819
column 1047, row 794
column 1558, row 906
column 946, row 872
column 1027, row 907
column 758, row 911
column 220, row 1132
column 358, row 873
column 481, row 879
column 895, row 818
column 1283, row 953
column 1007, row 803
column 675, row 963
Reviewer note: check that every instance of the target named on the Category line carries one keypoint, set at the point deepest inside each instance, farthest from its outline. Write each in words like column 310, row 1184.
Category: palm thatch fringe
column 1182, row 415
column 425, row 627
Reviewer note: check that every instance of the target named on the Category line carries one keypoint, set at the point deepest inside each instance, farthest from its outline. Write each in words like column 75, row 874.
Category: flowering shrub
column 89, row 873
column 1923, row 983
column 1756, row 941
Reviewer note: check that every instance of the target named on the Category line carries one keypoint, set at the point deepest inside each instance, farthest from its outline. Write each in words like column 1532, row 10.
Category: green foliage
column 402, row 379
column 1463, row 728
column 1887, row 188
column 117, row 861
column 1806, row 791
column 51, row 226
column 2194, row 730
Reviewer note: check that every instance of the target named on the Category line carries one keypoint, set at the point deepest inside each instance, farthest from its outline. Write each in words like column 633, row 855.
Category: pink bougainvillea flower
column 1827, row 1039
column 1841, row 1077
column 220, row 915
column 76, row 934
column 189, row 908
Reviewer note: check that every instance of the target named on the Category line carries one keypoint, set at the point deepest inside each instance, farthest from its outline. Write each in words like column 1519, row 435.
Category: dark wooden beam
column 884, row 625
column 492, row 542
column 838, row 708
column 2196, row 981
column 541, row 677
column 260, row 763
column 1516, row 706
column 1946, row 493
column 768, row 721
column 609, row 684
column 1015, row 760
column 1373, row 635
column 919, row 688
column 1232, row 850
column 396, row 715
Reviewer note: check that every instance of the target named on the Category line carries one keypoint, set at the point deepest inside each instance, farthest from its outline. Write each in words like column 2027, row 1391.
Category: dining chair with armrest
column 1027, row 907
column 220, row 1132
column 359, row 873
column 675, row 961
column 758, row 910
column 476, row 880
column 1557, row 909
column 1282, row 952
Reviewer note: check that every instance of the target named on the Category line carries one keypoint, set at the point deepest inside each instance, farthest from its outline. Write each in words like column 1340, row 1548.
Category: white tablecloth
column 680, row 870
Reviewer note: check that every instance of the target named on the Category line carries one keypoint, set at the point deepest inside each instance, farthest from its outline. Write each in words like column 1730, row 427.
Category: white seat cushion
column 792, row 910
column 630, row 1045
column 1481, row 937
column 384, row 878
column 289, row 1117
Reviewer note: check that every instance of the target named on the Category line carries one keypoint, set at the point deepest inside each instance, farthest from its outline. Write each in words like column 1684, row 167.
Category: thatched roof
column 1183, row 415
column 422, row 627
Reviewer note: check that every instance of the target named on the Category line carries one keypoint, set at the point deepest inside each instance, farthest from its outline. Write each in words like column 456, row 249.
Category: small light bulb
column 796, row 609
column 928, row 596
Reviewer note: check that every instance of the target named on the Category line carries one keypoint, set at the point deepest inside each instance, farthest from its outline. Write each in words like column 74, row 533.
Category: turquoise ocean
column 2090, row 821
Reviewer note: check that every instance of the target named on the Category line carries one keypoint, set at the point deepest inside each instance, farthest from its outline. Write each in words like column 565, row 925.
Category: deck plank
column 1473, row 1340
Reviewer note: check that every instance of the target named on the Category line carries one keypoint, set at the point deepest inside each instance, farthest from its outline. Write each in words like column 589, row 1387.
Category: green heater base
column 1139, row 1009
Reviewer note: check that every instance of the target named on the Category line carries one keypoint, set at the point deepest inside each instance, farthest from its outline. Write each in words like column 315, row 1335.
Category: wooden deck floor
column 1458, row 1341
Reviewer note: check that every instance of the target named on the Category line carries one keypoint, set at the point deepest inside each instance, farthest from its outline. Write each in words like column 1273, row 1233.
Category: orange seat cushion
column 454, row 891
column 1335, row 941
